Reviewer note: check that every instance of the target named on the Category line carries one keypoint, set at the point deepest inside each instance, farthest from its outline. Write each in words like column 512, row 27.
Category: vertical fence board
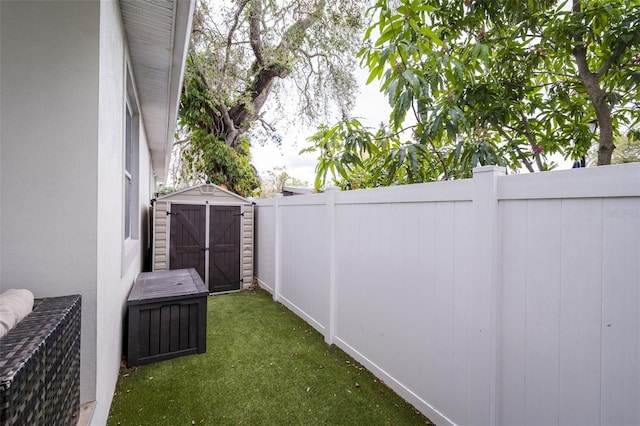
column 580, row 311
column 442, row 318
column 463, row 278
column 542, row 311
column 425, row 329
column 512, row 347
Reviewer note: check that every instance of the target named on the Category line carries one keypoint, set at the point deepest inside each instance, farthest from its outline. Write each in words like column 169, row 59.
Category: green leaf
column 412, row 79
column 424, row 30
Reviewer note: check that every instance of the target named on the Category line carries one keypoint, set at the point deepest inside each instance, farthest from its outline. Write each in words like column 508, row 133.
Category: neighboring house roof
column 297, row 190
column 158, row 35
column 205, row 191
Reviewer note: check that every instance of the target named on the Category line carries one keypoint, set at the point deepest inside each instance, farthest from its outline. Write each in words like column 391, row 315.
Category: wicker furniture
column 40, row 365
column 167, row 316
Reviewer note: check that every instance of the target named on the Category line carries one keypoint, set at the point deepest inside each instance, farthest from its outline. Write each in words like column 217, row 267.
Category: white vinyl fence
column 497, row 300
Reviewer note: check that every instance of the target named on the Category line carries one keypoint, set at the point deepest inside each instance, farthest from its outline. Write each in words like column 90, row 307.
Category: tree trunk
column 244, row 114
column 597, row 96
column 233, row 121
column 598, row 99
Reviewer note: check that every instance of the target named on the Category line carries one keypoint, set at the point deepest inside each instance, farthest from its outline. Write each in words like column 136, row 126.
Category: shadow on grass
column 263, row 365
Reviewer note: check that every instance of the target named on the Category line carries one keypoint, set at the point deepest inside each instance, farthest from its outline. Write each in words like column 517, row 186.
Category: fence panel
column 494, row 300
column 401, row 300
column 305, row 266
column 566, row 279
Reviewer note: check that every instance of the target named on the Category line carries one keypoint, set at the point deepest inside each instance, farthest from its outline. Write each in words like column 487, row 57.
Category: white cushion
column 15, row 304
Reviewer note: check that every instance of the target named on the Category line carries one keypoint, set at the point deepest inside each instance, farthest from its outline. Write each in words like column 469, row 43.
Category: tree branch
column 255, row 36
column 232, row 130
column 521, row 154
column 445, row 169
column 617, row 53
column 309, row 56
column 292, row 40
column 267, row 126
column 234, row 26
column 532, row 141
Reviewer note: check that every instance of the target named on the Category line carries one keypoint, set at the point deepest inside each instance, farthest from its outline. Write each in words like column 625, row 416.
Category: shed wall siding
column 247, row 246
column 160, row 237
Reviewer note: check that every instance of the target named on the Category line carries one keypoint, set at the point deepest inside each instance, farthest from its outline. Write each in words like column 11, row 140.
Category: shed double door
column 207, row 238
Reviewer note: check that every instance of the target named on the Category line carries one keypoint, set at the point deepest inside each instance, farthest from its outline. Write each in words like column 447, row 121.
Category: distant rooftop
column 296, row 190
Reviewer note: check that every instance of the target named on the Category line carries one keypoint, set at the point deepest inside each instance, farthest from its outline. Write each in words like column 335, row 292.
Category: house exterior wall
column 49, row 91
column 1, row 116
column 63, row 67
column 118, row 262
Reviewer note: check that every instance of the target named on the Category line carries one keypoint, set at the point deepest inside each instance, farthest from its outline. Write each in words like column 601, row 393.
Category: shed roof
column 205, row 191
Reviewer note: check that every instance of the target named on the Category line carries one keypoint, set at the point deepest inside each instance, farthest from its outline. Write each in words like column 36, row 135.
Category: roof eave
column 184, row 21
column 158, row 34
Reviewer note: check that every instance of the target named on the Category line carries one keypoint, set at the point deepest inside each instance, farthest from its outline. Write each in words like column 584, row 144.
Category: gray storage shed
column 207, row 228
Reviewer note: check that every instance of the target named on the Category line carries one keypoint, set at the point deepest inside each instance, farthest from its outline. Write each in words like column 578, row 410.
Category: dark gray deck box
column 167, row 316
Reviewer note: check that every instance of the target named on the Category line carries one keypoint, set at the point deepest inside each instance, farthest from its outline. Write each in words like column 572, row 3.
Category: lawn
column 263, row 365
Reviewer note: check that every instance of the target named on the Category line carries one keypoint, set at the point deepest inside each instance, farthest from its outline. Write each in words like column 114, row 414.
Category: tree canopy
column 479, row 82
column 241, row 54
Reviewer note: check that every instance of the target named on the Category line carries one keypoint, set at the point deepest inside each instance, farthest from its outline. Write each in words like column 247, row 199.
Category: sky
column 371, row 107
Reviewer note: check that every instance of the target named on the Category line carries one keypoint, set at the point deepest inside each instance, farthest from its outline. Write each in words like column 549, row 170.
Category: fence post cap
column 490, row 169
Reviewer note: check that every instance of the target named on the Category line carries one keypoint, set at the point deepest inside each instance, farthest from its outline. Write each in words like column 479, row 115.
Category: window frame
column 131, row 211
column 128, row 171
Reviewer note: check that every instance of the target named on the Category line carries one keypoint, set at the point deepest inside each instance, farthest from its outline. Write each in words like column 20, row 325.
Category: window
column 128, row 174
column 130, row 184
column 131, row 179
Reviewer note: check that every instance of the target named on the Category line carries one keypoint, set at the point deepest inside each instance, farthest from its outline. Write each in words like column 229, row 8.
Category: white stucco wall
column 49, row 66
column 1, row 287
column 118, row 263
column 63, row 67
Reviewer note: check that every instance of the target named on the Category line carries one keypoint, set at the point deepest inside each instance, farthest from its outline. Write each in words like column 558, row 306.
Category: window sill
column 130, row 252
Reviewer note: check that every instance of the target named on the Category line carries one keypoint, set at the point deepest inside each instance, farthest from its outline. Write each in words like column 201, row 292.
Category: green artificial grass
column 263, row 366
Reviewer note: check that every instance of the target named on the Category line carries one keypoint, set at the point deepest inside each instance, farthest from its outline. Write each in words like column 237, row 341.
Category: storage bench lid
column 166, row 285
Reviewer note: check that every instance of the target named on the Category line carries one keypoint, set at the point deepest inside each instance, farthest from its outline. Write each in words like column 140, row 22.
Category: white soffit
column 158, row 34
